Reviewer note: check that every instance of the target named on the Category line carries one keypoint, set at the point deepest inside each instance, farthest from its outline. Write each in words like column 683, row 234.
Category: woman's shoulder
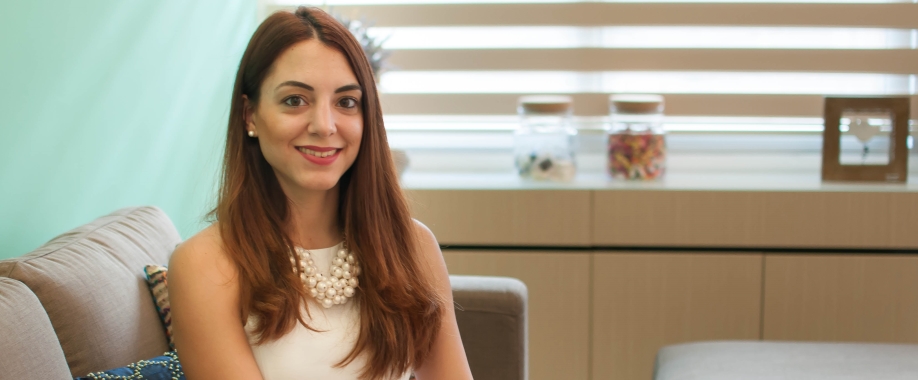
column 425, row 237
column 429, row 251
column 203, row 256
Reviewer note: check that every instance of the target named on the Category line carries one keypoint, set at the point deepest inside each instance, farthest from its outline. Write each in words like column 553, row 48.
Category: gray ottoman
column 757, row 360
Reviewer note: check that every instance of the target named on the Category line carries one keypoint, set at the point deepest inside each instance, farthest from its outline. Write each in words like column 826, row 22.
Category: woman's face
column 308, row 119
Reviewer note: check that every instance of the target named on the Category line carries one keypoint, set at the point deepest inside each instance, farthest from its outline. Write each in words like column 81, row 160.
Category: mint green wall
column 111, row 103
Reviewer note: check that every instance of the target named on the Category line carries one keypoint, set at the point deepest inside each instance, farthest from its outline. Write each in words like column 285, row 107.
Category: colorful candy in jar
column 636, row 137
column 637, row 155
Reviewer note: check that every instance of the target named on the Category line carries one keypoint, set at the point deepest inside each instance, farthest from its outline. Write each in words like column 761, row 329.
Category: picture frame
column 895, row 168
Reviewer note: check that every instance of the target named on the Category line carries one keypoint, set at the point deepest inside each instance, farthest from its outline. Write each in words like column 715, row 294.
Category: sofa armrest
column 491, row 313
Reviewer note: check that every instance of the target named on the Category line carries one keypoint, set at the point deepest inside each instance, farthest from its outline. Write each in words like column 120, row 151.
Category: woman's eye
column 295, row 101
column 348, row 102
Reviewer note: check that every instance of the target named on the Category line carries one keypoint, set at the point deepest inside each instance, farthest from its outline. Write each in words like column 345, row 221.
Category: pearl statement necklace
column 336, row 288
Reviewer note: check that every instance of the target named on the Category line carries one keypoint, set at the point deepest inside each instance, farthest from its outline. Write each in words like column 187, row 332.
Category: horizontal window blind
column 465, row 63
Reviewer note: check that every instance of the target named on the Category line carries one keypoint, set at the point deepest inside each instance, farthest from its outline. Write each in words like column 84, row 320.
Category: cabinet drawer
column 859, row 298
column 771, row 219
column 644, row 301
column 505, row 217
column 558, row 285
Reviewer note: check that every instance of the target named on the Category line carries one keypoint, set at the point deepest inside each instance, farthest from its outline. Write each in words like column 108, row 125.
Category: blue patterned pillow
column 156, row 280
column 166, row 367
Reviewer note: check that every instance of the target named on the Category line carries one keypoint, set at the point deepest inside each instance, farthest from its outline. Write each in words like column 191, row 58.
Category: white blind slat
column 647, row 37
column 663, row 82
column 597, row 104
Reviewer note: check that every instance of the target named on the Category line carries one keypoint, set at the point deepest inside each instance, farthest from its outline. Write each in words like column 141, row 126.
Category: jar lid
column 546, row 103
column 636, row 103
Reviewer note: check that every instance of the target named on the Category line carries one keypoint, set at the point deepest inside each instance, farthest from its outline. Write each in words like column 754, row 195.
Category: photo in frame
column 865, row 139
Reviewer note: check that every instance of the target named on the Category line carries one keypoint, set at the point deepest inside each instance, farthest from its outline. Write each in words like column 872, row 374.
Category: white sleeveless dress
column 303, row 354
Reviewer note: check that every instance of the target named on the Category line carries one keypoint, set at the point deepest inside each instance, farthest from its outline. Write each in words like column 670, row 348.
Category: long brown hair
column 399, row 308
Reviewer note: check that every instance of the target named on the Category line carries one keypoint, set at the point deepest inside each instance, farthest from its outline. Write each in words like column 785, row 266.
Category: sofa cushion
column 29, row 349
column 491, row 314
column 755, row 360
column 90, row 281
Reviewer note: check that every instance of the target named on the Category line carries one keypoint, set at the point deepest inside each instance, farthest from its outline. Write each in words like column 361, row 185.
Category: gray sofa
column 80, row 304
column 758, row 360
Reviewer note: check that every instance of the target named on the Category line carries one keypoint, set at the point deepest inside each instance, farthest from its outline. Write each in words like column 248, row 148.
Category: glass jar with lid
column 636, row 138
column 544, row 142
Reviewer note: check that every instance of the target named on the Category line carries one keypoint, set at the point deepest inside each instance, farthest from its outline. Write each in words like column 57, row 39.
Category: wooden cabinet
column 644, row 301
column 504, row 217
column 766, row 219
column 858, row 298
column 558, row 285
column 605, row 314
column 674, row 219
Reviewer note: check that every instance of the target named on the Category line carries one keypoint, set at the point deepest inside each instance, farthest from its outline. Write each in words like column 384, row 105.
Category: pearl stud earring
column 251, row 133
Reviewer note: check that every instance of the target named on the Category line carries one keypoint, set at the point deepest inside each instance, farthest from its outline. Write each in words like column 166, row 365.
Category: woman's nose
column 322, row 121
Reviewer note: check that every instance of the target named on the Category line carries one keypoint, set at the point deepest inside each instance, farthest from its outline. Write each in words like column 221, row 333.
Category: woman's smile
column 319, row 155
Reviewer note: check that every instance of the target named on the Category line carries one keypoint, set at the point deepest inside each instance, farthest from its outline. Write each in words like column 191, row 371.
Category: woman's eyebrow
column 295, row 84
column 350, row 87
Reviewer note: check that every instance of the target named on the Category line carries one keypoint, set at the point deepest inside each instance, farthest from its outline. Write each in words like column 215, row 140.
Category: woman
column 314, row 268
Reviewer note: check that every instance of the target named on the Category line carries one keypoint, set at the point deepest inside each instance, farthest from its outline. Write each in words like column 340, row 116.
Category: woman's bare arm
column 447, row 360
column 206, row 322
